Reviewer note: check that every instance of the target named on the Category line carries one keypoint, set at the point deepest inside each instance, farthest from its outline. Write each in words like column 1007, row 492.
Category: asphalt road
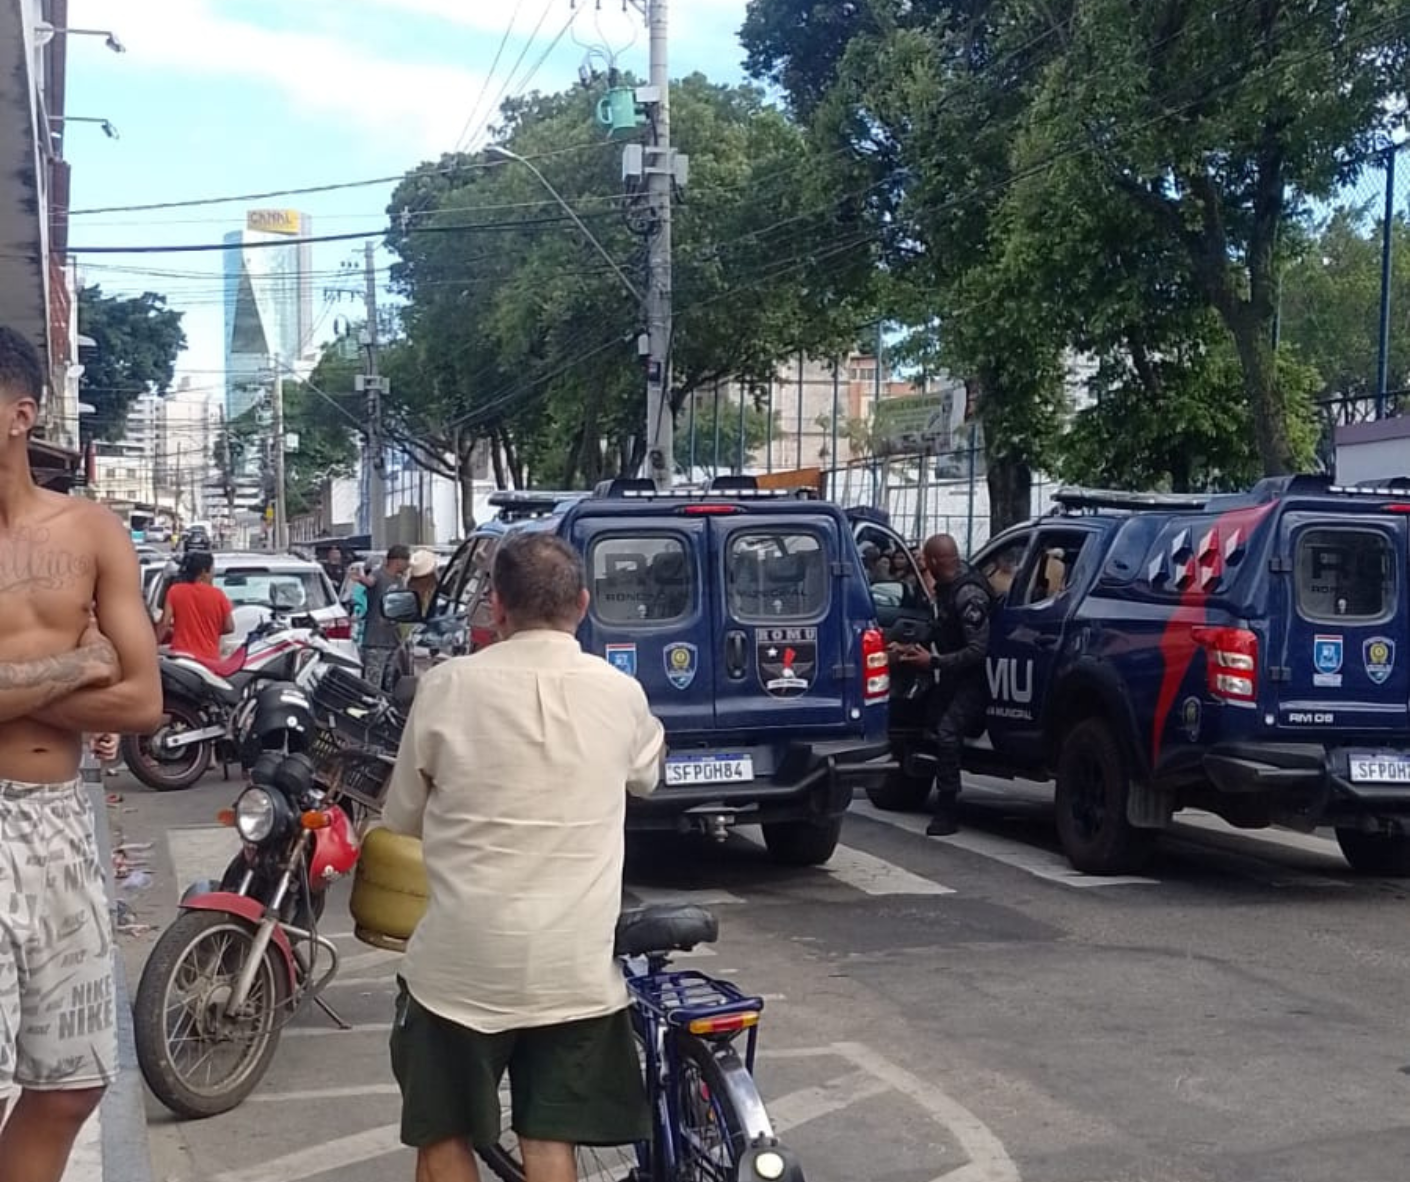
column 965, row 1009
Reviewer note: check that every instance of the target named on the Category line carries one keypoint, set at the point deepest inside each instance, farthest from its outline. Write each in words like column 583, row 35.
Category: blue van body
column 747, row 620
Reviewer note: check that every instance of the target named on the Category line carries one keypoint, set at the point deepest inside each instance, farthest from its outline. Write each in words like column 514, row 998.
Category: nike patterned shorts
column 58, row 1022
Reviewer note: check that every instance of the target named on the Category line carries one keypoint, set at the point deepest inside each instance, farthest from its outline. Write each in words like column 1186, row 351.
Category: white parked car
column 254, row 581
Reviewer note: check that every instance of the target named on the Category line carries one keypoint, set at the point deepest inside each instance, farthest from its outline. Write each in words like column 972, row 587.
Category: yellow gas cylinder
column 389, row 892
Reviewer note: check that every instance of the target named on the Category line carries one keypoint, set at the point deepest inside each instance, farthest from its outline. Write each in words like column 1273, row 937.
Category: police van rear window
column 641, row 579
column 1345, row 574
column 778, row 575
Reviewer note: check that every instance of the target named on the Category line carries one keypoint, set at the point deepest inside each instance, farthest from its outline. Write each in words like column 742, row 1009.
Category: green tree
column 1330, row 310
column 136, row 343
column 1091, row 174
column 1205, row 127
column 914, row 113
column 518, row 333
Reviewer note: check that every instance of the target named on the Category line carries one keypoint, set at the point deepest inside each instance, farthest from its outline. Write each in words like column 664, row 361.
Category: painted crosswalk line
column 1040, row 863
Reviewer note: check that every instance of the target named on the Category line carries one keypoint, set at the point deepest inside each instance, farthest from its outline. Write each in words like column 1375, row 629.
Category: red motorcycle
column 244, row 956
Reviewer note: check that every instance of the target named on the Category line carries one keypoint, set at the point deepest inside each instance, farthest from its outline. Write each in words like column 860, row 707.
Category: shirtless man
column 77, row 655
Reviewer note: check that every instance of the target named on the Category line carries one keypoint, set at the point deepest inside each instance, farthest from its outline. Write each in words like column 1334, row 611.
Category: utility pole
column 372, row 385
column 228, row 476
column 660, row 175
column 281, row 505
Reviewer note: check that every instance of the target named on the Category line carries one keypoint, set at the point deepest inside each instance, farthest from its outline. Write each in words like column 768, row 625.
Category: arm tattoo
column 59, row 675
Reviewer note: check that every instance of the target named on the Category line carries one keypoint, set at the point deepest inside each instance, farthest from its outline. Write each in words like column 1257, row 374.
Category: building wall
column 268, row 305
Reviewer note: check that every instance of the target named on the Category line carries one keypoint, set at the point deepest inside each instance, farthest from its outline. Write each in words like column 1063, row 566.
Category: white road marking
column 1040, row 863
column 988, row 1159
column 1305, row 843
column 649, row 896
column 86, row 1160
column 320, row 1031
column 371, row 959
column 323, row 1158
column 876, row 876
column 809, row 1104
column 200, row 851
column 348, row 1093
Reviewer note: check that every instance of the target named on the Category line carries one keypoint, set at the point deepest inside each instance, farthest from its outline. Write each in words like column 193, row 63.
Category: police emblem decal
column 1378, row 655
column 788, row 660
column 622, row 657
column 681, row 660
column 1327, row 652
column 1190, row 713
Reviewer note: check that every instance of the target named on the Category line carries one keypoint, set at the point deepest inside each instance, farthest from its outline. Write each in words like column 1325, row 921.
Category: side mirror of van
column 401, row 607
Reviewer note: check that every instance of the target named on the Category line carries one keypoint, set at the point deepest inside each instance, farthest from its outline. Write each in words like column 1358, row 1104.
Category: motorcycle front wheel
column 199, row 1060
column 162, row 771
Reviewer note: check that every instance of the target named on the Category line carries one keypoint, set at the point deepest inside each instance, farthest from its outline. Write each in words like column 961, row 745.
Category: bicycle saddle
column 664, row 929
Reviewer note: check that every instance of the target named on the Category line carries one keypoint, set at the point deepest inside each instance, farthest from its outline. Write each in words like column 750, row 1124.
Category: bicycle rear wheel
column 718, row 1113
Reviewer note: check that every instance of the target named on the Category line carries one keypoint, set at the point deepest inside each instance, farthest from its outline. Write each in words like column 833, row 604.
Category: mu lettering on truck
column 1010, row 687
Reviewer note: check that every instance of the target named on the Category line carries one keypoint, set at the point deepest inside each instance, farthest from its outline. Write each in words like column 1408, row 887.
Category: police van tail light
column 1231, row 659
column 876, row 667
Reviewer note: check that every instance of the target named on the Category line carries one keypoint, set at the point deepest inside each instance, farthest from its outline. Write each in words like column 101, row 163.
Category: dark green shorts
column 579, row 1082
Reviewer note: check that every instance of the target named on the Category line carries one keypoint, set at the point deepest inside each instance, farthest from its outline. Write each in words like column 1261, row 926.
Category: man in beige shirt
column 513, row 771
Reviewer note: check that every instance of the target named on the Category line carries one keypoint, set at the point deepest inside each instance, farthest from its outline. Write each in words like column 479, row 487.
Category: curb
column 126, row 1156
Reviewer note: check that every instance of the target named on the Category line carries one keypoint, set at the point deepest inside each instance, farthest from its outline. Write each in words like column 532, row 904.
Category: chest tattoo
column 31, row 560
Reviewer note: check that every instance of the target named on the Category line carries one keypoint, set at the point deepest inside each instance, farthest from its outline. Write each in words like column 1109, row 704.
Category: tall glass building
column 268, row 302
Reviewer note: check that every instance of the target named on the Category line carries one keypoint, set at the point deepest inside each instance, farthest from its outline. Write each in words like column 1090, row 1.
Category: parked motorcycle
column 211, row 711
column 244, row 956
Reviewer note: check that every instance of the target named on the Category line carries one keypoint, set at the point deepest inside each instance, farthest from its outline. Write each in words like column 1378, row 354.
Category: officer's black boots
column 945, row 822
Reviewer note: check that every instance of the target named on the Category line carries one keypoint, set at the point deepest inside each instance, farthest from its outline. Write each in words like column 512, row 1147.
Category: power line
column 190, row 248
column 231, row 198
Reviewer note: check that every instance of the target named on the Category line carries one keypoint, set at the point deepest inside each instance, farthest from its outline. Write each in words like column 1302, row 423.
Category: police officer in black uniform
column 959, row 644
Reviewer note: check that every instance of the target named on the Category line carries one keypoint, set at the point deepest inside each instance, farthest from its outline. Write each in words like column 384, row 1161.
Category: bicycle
column 709, row 1123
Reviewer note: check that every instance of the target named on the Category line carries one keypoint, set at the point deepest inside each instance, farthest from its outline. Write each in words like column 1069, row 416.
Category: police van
column 746, row 617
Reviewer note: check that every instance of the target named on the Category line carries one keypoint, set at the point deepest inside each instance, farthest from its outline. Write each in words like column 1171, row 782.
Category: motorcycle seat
column 664, row 929
column 227, row 667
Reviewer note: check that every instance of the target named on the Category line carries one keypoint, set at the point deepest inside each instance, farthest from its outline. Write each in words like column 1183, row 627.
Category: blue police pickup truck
column 746, row 617
column 1244, row 654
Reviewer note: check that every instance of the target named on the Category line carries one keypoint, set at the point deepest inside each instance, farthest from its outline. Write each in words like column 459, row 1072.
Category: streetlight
column 108, row 129
column 503, row 153
column 44, row 32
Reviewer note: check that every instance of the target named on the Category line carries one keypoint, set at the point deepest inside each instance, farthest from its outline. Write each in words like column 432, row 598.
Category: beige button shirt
column 514, row 771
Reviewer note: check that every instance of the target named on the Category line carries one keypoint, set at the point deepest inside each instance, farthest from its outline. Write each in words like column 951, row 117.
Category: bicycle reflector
column 769, row 1162
column 725, row 1023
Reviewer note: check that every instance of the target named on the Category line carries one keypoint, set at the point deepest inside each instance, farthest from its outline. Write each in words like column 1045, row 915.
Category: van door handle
column 1046, row 640
column 736, row 659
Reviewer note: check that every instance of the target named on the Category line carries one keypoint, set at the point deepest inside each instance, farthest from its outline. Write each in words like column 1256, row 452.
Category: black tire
column 1384, row 855
column 802, row 843
column 150, row 1006
column 1093, row 782
column 162, row 774
column 900, row 793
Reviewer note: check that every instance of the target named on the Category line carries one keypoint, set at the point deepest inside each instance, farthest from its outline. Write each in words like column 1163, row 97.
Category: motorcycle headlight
column 258, row 813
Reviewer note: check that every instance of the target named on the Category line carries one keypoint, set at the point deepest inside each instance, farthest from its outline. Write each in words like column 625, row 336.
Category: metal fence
column 1354, row 319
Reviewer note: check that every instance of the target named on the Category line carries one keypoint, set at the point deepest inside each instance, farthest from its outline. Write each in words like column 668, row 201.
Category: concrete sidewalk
column 113, row 1144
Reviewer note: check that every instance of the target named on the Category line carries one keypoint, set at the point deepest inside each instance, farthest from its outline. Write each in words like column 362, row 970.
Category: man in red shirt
column 197, row 613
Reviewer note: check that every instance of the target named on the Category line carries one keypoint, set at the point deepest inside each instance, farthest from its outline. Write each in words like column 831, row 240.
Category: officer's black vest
column 949, row 631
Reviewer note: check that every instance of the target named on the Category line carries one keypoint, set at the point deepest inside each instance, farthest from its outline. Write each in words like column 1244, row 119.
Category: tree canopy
column 1095, row 176
column 518, row 331
column 136, row 342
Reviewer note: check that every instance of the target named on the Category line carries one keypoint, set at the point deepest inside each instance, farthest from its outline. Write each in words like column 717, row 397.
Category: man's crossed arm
column 129, row 698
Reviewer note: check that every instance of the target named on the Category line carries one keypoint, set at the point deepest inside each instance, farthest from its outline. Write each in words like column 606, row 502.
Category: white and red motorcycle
column 211, row 712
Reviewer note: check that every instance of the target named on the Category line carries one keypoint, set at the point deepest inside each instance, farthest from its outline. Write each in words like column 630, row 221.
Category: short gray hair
column 539, row 579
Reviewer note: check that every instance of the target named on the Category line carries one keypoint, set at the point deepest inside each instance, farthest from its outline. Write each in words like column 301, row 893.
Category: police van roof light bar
column 1076, row 499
